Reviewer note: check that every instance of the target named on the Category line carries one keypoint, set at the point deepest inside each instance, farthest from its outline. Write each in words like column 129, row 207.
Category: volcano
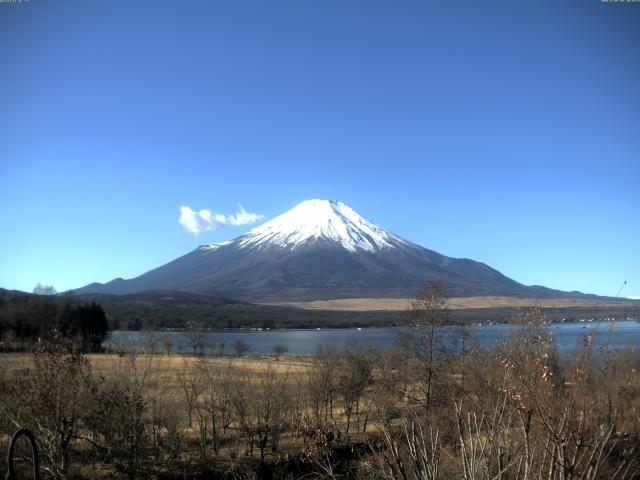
column 320, row 249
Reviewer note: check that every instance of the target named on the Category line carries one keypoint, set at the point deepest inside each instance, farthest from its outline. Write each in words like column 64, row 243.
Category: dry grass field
column 455, row 303
column 172, row 365
column 176, row 391
column 168, row 371
column 352, row 415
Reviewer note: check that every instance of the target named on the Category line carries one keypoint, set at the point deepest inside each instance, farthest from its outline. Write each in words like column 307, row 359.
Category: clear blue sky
column 507, row 132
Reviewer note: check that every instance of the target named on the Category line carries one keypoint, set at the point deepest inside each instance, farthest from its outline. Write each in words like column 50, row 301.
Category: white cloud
column 634, row 297
column 198, row 222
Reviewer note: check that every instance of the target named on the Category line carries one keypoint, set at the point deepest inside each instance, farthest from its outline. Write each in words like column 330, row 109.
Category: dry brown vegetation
column 520, row 412
column 454, row 303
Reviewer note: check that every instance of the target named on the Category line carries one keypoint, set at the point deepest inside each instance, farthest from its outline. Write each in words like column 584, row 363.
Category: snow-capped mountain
column 319, row 249
column 313, row 220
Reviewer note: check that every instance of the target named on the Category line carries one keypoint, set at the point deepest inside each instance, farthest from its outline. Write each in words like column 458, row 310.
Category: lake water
column 567, row 336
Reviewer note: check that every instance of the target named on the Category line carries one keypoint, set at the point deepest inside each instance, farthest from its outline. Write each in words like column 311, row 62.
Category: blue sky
column 507, row 132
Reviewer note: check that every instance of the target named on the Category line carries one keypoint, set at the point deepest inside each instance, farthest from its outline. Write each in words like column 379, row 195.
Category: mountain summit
column 320, row 249
column 318, row 220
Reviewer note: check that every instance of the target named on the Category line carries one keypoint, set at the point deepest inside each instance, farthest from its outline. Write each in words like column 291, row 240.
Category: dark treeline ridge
column 177, row 310
column 27, row 319
column 417, row 412
column 161, row 309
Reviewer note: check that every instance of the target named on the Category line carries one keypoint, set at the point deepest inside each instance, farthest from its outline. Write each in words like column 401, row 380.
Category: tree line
column 26, row 320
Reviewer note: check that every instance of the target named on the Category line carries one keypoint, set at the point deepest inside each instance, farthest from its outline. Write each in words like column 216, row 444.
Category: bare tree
column 149, row 341
column 214, row 406
column 118, row 426
column 190, row 384
column 167, row 342
column 563, row 426
column 118, row 419
column 54, row 396
column 354, row 376
column 427, row 313
column 390, row 384
column 241, row 347
column 279, row 349
column 261, row 408
column 195, row 339
column 218, row 344
column 321, row 382
column 413, row 452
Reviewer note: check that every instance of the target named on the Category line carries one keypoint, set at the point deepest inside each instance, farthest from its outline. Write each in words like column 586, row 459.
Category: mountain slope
column 319, row 250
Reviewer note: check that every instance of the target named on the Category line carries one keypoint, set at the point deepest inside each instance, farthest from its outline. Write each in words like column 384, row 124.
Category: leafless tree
column 241, row 347
column 214, row 406
column 321, row 382
column 196, row 339
column 167, row 342
column 118, row 427
column 191, row 386
column 53, row 397
column 354, row 376
column 218, row 344
column 261, row 408
column 413, row 452
column 390, row 385
column 427, row 313
column 279, row 349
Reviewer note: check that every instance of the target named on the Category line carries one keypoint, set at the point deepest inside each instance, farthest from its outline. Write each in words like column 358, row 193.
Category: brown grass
column 172, row 365
column 455, row 303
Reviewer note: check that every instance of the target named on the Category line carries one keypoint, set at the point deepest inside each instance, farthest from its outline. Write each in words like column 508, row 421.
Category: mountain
column 319, row 249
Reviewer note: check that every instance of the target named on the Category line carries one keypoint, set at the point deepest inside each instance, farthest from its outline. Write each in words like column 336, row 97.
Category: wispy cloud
column 198, row 222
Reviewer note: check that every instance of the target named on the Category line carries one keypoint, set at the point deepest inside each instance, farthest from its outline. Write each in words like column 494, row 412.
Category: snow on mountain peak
column 321, row 219
column 212, row 246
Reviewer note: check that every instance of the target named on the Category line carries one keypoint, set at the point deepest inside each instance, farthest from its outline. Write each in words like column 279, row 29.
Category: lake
column 567, row 337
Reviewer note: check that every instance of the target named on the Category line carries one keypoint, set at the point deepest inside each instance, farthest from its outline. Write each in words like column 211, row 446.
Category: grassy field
column 172, row 365
column 456, row 303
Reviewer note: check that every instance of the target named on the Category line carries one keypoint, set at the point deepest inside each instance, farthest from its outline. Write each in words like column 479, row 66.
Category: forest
column 28, row 320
